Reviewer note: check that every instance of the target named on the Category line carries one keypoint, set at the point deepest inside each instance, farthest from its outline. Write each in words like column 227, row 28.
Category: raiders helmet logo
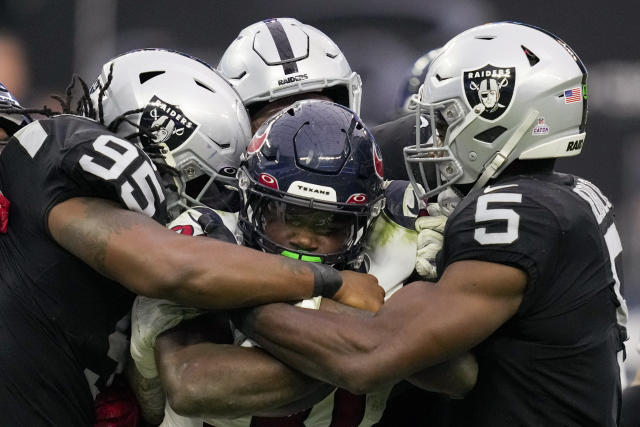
column 167, row 123
column 490, row 88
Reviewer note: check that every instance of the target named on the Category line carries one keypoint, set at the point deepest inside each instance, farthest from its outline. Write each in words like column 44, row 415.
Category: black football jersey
column 554, row 363
column 59, row 319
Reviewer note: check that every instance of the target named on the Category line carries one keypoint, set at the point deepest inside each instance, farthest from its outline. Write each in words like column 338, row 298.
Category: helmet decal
column 358, row 198
column 256, row 142
column 167, row 123
column 572, row 95
column 541, row 128
column 268, row 180
column 228, row 171
column 313, row 191
column 491, row 88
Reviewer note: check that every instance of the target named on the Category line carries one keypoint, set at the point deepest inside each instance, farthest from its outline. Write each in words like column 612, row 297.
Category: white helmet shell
column 281, row 57
column 497, row 93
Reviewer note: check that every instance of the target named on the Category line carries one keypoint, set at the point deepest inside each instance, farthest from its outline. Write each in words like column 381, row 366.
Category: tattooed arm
column 151, row 260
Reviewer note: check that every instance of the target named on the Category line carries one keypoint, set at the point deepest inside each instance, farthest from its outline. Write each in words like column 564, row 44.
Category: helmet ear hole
column 204, row 86
column 533, row 59
column 491, row 134
column 148, row 75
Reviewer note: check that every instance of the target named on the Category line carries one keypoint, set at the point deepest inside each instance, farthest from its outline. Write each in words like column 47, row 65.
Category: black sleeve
column 79, row 158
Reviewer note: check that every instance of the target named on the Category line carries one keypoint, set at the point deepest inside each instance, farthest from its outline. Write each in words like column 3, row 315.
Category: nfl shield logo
column 490, row 88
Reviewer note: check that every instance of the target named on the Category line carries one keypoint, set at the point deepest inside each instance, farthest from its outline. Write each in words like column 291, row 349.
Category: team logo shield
column 167, row 123
column 491, row 88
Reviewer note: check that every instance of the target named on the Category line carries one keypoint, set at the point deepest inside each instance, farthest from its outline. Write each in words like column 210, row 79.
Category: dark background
column 381, row 40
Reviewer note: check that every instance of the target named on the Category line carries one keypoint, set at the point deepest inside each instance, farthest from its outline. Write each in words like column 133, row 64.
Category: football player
column 86, row 233
column 278, row 61
column 531, row 274
column 311, row 189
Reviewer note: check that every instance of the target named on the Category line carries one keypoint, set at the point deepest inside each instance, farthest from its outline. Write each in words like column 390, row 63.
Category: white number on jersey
column 485, row 213
column 144, row 177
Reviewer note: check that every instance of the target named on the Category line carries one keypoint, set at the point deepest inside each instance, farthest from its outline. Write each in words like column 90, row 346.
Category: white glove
column 149, row 318
column 430, row 229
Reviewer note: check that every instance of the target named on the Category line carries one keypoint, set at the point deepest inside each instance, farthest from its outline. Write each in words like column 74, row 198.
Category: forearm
column 213, row 380
column 150, row 260
column 324, row 346
column 149, row 394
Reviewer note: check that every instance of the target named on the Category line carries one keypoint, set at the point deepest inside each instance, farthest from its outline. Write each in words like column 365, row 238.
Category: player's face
column 3, row 135
column 305, row 229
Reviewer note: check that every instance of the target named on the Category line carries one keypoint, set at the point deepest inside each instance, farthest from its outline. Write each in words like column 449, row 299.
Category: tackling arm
column 205, row 379
column 150, row 260
column 419, row 326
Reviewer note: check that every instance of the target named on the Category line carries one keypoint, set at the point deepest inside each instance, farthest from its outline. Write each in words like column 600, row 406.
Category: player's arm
column 149, row 394
column 151, row 260
column 203, row 378
column 420, row 326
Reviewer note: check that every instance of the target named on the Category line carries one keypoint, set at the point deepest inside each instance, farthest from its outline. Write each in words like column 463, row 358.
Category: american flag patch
column 572, row 95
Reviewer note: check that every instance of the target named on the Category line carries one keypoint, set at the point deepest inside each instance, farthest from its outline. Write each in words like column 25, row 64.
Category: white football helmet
column 182, row 108
column 497, row 93
column 281, row 57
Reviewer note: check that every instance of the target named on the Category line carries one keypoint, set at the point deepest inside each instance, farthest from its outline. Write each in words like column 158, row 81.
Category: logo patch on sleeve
column 167, row 123
column 491, row 88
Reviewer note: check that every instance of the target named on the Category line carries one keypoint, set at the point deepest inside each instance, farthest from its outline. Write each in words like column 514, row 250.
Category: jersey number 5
column 123, row 153
column 484, row 213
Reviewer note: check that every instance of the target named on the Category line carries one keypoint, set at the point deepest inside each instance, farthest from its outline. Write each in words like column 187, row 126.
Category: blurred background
column 42, row 42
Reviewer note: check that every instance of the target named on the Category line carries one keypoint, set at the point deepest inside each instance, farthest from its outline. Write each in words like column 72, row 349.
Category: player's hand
column 430, row 233
column 430, row 229
column 360, row 290
column 149, row 318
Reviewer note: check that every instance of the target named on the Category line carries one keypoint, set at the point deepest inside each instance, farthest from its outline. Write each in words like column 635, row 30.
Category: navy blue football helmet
column 316, row 163
column 10, row 119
